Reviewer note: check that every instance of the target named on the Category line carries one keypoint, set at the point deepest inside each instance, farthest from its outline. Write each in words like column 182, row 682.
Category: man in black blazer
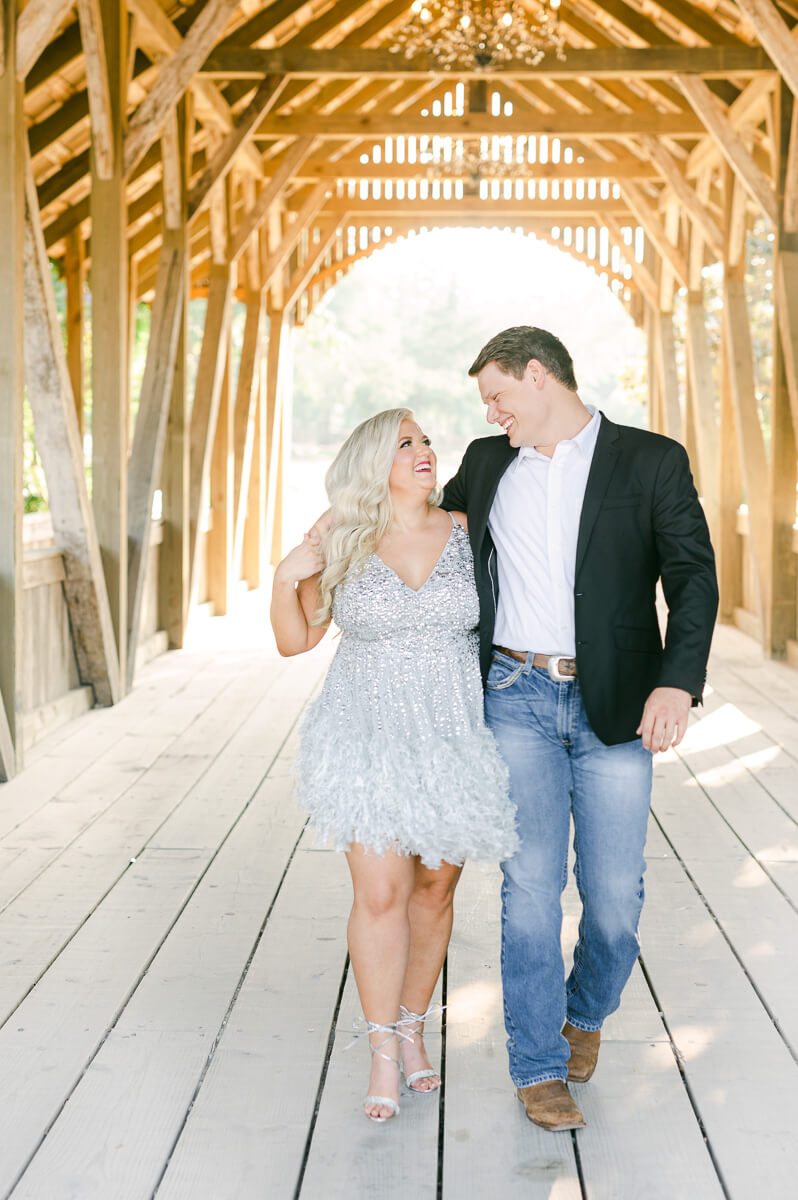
column 573, row 520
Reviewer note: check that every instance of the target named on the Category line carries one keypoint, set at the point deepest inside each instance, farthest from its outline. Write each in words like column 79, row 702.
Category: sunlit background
column 404, row 326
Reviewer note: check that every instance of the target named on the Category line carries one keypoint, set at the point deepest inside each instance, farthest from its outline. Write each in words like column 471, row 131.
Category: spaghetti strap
column 453, row 520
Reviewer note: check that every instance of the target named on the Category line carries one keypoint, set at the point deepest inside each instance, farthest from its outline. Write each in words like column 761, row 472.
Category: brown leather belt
column 557, row 665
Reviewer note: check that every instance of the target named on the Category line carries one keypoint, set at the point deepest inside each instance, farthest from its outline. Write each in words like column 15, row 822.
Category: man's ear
column 535, row 371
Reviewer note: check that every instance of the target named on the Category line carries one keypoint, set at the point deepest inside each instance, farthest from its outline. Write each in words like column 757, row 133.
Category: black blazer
column 641, row 521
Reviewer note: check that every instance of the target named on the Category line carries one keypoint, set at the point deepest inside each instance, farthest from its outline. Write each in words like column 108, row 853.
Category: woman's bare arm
column 295, row 598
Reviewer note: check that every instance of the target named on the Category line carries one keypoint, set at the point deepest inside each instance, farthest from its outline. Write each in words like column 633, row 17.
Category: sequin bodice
column 377, row 604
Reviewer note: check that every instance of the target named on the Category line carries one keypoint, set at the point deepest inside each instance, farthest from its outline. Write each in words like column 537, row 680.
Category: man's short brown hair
column 513, row 348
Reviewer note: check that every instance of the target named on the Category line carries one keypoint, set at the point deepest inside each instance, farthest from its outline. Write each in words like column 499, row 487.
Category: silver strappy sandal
column 406, row 1018
column 387, row 1101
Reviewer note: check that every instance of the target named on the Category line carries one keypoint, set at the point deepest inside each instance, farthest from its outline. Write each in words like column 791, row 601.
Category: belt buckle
column 553, row 668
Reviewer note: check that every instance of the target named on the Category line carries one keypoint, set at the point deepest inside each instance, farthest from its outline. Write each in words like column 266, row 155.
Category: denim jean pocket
column 501, row 675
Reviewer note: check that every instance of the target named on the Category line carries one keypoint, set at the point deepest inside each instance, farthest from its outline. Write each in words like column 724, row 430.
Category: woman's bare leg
column 379, row 940
column 431, row 911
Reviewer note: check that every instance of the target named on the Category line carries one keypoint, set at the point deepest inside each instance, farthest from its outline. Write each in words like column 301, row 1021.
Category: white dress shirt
column 534, row 523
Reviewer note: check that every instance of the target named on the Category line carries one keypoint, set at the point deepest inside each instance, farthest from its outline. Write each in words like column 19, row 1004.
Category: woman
column 395, row 764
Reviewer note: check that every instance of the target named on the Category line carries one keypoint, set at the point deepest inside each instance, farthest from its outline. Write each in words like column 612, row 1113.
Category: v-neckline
column 404, row 582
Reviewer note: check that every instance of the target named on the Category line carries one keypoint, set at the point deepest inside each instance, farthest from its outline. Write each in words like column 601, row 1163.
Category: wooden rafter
column 775, row 36
column 91, row 35
column 173, row 80
column 611, row 125
column 35, row 28
column 255, row 217
column 660, row 62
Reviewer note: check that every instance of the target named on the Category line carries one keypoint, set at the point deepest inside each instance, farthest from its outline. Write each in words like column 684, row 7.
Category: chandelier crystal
column 473, row 160
column 491, row 33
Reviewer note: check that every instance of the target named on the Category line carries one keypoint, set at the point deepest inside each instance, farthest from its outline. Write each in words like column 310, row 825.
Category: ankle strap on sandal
column 406, row 1017
column 392, row 1030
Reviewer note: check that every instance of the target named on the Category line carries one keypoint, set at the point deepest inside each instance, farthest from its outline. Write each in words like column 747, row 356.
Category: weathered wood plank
column 740, row 1074
column 12, row 386
column 242, row 1138
column 254, row 218
column 137, row 1090
column 614, row 125
column 150, row 433
column 245, row 413
column 58, row 442
column 488, row 1141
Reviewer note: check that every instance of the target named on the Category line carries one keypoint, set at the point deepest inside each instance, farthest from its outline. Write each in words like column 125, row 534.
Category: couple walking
column 534, row 576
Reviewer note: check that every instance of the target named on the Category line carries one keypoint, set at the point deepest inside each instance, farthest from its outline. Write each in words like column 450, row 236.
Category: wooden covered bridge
column 173, row 968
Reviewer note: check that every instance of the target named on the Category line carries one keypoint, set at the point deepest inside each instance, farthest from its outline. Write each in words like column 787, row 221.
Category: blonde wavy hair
column 360, row 500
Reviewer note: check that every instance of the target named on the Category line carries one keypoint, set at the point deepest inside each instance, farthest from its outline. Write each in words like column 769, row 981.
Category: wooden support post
column 727, row 541
column 704, row 405
column 207, row 395
column 12, row 205
column 254, row 561
column 220, row 537
column 274, row 400
column 247, row 391
column 59, row 445
column 73, row 272
column 150, row 434
column 780, row 615
column 110, row 337
column 173, row 560
column 671, row 415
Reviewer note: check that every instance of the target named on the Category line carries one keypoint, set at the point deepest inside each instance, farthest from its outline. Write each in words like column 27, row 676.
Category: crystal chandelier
column 491, row 33
column 472, row 160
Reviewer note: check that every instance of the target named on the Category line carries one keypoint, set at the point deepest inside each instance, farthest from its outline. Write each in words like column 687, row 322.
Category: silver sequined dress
column 395, row 753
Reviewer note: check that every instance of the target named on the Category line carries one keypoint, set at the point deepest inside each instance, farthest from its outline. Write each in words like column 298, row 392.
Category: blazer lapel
column 605, row 456
column 492, row 470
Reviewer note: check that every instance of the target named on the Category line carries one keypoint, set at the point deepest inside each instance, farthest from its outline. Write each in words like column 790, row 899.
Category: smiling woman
column 395, row 766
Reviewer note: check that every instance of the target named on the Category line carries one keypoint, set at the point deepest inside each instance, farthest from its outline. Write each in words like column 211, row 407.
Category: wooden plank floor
column 176, row 1003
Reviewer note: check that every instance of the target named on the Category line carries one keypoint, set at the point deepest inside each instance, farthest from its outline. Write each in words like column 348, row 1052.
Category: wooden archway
column 234, row 148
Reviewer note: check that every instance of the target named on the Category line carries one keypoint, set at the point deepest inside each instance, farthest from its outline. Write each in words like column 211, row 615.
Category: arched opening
column 403, row 326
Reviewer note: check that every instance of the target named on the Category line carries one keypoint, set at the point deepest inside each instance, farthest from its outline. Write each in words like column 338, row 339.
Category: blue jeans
column 557, row 767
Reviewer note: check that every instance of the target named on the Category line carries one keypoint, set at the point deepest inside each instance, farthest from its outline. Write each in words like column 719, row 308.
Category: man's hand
column 664, row 719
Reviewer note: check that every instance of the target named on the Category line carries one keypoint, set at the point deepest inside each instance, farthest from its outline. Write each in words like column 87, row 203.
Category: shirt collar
column 584, row 441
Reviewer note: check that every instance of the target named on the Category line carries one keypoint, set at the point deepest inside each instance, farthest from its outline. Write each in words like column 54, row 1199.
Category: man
column 572, row 521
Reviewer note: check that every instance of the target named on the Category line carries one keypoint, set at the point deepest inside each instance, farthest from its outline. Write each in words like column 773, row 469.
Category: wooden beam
column 211, row 106
column 173, row 171
column 316, row 251
column 668, row 374
column 35, row 30
column 150, row 433
column 245, row 418
column 97, row 86
column 775, row 37
column 307, row 213
column 557, row 210
column 781, row 616
column 716, row 119
column 243, row 128
column 351, row 167
column 73, row 274
column 173, row 79
column 12, row 388
column 109, row 293
column 255, row 217
column 615, row 62
column 685, row 194
column 173, row 558
column 274, row 411
column 650, row 219
column 205, row 408
column 59, row 445
column 220, row 534
column 573, row 125
column 705, row 406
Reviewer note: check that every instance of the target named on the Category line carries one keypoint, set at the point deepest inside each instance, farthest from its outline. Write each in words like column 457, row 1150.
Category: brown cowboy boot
column 550, row 1106
column 584, row 1052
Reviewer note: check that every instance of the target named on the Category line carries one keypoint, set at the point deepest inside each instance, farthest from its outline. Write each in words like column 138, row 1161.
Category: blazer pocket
column 629, row 501
column 641, row 641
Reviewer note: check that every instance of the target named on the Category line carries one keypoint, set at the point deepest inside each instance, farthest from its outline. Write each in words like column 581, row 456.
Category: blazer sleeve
column 455, row 493
column 687, row 570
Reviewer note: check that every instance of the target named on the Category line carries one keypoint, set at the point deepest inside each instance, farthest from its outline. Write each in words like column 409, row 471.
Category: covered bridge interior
column 235, row 150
